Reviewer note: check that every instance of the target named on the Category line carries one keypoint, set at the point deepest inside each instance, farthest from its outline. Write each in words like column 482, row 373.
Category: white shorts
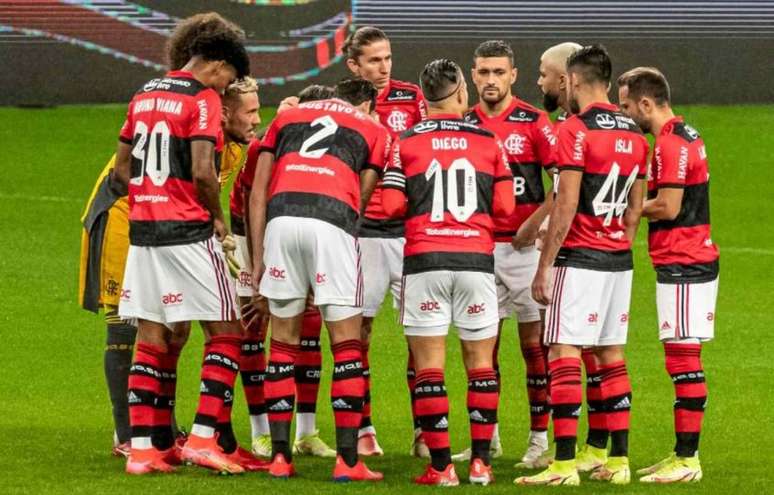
column 303, row 254
column 433, row 300
column 244, row 282
column 382, row 269
column 514, row 271
column 686, row 311
column 589, row 307
column 186, row 282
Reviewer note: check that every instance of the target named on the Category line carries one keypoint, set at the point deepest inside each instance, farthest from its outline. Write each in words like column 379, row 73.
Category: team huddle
column 375, row 185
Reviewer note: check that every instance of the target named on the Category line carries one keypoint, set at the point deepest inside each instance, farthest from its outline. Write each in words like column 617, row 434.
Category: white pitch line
column 51, row 199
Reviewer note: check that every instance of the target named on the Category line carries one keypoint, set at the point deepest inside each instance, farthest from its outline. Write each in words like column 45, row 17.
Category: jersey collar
column 502, row 115
column 670, row 124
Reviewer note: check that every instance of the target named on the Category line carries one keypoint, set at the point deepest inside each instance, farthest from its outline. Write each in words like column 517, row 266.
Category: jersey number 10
column 460, row 212
column 152, row 149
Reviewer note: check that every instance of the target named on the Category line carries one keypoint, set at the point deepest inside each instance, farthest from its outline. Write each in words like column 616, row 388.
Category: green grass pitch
column 55, row 425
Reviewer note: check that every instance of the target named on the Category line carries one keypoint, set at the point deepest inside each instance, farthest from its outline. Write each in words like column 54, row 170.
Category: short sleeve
column 672, row 156
column 248, row 172
column 545, row 141
column 126, row 135
column 571, row 146
column 394, row 177
column 502, row 169
column 206, row 117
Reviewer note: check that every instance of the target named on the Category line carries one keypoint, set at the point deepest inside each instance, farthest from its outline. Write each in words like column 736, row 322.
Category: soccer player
column 684, row 256
column 399, row 105
column 308, row 364
column 553, row 78
column 528, row 137
column 176, row 268
column 450, row 176
column 317, row 168
column 105, row 242
column 553, row 84
column 601, row 158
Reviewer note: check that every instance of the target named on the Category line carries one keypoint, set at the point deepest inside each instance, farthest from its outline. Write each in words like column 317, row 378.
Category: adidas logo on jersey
column 341, row 404
column 475, row 415
column 624, row 403
column 134, row 399
column 666, row 326
column 442, row 424
column 282, row 405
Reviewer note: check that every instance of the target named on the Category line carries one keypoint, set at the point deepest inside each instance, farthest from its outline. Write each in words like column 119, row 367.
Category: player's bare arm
column 665, row 206
column 562, row 213
column 257, row 207
column 633, row 213
column 206, row 183
column 122, row 170
column 528, row 232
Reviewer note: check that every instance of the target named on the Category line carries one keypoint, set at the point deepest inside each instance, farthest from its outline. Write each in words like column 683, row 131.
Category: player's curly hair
column 315, row 92
column 361, row 37
column 440, row 79
column 593, row 63
column 179, row 44
column 494, row 48
column 355, row 91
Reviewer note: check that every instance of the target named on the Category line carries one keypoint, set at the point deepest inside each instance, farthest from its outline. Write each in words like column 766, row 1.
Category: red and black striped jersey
column 610, row 150
column 529, row 140
column 400, row 105
column 449, row 177
column 163, row 118
column 242, row 183
column 682, row 249
column 320, row 148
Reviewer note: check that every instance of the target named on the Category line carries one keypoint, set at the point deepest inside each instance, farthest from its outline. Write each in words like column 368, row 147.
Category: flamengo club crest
column 515, row 144
column 397, row 120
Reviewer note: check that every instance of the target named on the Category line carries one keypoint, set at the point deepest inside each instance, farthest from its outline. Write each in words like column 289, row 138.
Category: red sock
column 537, row 386
column 411, row 380
column 163, row 435
column 483, row 398
column 683, row 363
column 432, row 406
column 347, row 391
column 252, row 368
column 617, row 398
column 365, row 422
column 566, row 397
column 280, row 393
column 144, row 388
column 598, row 434
column 308, row 363
column 219, row 371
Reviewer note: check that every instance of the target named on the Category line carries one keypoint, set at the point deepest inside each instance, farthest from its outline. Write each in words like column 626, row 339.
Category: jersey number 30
column 152, row 149
column 460, row 212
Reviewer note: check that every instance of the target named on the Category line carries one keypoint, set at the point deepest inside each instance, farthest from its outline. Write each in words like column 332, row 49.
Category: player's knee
column 287, row 308
column 336, row 312
column 478, row 346
column 609, row 354
column 530, row 331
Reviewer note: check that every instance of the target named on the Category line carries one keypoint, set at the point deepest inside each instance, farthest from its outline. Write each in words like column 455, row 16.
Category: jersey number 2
column 152, row 149
column 329, row 127
column 460, row 212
